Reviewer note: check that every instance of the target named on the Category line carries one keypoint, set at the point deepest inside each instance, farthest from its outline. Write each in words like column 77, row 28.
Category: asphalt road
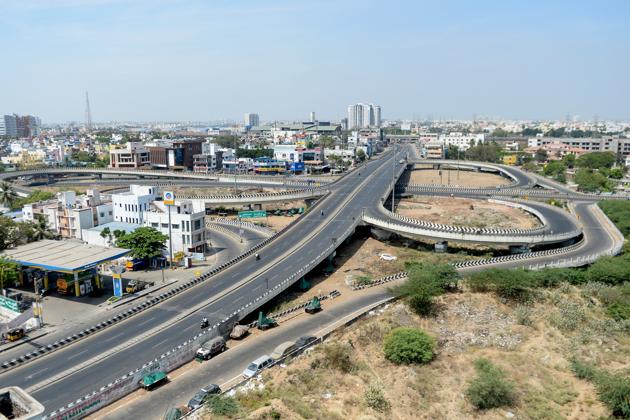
column 279, row 260
column 313, row 233
column 229, row 365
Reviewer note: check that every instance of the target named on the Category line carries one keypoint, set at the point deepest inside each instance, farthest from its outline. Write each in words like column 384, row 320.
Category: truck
column 135, row 286
column 135, row 264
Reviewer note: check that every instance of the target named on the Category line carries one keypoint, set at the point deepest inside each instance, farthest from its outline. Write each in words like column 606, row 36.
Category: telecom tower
column 88, row 113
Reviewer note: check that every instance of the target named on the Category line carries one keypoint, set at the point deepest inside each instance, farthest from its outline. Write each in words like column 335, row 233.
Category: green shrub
column 618, row 311
column 339, row 357
column 424, row 282
column 364, row 281
column 569, row 317
column 222, row 405
column 613, row 389
column 508, row 284
column 489, row 389
column 408, row 345
column 523, row 315
column 375, row 398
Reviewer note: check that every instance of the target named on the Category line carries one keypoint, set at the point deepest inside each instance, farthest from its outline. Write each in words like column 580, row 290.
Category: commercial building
column 20, row 126
column 187, row 228
column 205, row 164
column 434, row 150
column 174, row 154
column 130, row 206
column 618, row 146
column 461, row 140
column 132, row 155
column 8, row 126
column 364, row 115
column 252, row 120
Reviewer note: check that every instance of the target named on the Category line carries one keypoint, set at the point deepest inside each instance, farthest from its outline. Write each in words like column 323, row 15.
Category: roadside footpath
column 225, row 369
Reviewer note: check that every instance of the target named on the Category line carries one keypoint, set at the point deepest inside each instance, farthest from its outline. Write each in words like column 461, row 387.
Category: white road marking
column 77, row 354
column 160, row 343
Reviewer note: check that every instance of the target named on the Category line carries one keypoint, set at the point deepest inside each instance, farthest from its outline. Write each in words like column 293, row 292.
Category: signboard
column 118, row 290
column 169, row 198
column 8, row 303
column 252, row 214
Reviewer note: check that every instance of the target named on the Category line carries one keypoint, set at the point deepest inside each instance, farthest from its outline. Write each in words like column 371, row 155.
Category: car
column 211, row 348
column 283, row 350
column 305, row 340
column 197, row 400
column 257, row 365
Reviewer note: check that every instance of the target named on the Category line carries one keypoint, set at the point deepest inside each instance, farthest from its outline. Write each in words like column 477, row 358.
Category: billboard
column 169, row 198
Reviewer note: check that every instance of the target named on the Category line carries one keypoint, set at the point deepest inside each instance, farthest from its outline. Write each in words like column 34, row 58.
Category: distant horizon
column 191, row 60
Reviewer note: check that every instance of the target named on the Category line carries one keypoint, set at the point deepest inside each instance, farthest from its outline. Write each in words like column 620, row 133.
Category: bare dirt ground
column 466, row 212
column 470, row 325
column 465, row 178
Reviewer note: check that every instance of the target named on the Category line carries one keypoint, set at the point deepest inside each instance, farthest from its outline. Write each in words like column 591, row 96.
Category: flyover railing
column 259, row 197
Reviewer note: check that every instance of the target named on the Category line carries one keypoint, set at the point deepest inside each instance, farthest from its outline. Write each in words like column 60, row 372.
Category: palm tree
column 41, row 229
column 7, row 194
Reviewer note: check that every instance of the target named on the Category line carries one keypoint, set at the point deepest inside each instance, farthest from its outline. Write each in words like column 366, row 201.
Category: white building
column 288, row 152
column 130, row 206
column 461, row 140
column 188, row 230
column 363, row 116
column 132, row 155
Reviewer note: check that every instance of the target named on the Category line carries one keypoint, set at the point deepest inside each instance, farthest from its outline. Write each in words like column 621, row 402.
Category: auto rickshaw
column 15, row 334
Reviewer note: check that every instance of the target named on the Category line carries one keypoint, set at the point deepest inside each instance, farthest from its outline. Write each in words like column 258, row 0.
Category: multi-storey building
column 364, row 115
column 132, row 155
column 619, row 146
column 68, row 215
column 461, row 140
column 187, row 227
column 175, row 154
column 130, row 206
column 252, row 120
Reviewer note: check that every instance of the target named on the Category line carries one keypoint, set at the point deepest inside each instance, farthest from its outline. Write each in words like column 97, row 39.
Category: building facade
column 130, row 206
column 187, row 228
column 134, row 155
column 363, row 116
column 252, row 120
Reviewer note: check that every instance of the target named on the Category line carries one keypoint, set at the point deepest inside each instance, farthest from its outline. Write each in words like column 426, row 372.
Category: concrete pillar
column 97, row 279
column 77, row 288
column 46, row 280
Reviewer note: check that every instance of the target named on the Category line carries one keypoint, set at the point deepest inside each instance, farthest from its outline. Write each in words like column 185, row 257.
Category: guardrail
column 259, row 197
column 185, row 352
column 462, row 235
column 248, row 225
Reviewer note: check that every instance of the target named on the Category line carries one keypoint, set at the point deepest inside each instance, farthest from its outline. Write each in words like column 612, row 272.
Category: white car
column 388, row 257
column 257, row 365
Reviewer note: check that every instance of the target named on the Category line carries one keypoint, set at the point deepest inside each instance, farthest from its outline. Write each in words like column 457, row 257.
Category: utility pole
column 393, row 182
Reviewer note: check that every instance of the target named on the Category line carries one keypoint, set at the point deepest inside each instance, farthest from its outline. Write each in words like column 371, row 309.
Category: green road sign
column 252, row 214
column 8, row 303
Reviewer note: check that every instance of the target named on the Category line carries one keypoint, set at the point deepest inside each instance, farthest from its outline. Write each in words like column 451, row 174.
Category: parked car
column 282, row 350
column 257, row 366
column 210, row 348
column 200, row 396
column 305, row 340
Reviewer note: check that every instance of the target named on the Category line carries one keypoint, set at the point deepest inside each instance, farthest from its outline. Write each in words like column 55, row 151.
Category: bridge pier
column 329, row 268
column 441, row 246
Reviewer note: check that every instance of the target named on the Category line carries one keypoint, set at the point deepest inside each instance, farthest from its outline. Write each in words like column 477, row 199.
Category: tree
column 484, row 152
column 530, row 166
column 360, row 155
column 556, row 132
column 253, row 153
column 499, row 132
column 541, row 155
column 569, row 160
column 7, row 194
column 144, row 242
column 41, row 230
column 227, row 141
column 34, row 197
column 326, row 142
column 424, row 282
column 557, row 170
column 616, row 173
column 596, row 160
column 408, row 345
column 489, row 389
column 8, row 272
column 591, row 181
column 7, row 233
column 530, row 132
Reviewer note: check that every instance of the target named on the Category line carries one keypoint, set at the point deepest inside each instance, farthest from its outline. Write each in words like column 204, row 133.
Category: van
column 283, row 350
column 257, row 365
column 211, row 347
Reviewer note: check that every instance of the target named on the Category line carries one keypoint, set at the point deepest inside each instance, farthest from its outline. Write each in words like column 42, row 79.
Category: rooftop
column 64, row 256
column 127, row 227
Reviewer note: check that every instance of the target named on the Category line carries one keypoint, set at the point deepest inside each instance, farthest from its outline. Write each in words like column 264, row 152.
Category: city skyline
column 188, row 61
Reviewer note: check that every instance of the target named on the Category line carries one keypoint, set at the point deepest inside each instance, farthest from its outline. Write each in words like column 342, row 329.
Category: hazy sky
column 148, row 60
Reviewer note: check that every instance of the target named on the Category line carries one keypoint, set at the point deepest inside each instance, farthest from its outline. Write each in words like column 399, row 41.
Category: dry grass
column 470, row 325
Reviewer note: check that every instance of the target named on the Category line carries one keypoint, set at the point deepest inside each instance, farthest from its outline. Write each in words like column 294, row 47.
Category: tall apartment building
column 20, row 126
column 188, row 230
column 133, row 155
column 252, row 120
column 363, row 116
column 130, row 206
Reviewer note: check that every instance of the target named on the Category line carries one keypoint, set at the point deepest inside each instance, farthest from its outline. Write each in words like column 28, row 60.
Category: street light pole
column 170, row 237
column 393, row 182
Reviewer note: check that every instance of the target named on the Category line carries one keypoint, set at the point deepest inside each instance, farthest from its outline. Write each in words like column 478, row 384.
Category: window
column 175, row 226
column 110, row 213
column 165, row 225
column 197, row 224
column 155, row 225
column 103, row 214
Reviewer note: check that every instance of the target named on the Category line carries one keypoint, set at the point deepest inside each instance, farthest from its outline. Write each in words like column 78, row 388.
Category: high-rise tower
column 88, row 113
